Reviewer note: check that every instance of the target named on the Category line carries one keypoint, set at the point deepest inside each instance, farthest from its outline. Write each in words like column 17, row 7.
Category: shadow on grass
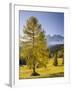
column 35, row 74
column 60, row 65
column 60, row 74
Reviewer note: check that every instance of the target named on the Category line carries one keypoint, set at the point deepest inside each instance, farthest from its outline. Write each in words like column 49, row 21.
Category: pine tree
column 63, row 56
column 35, row 51
column 55, row 59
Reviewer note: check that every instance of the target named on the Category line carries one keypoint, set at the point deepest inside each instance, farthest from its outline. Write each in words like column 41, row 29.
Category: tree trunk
column 33, row 66
column 33, row 59
column 34, row 72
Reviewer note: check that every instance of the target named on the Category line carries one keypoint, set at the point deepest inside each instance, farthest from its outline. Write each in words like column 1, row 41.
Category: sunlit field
column 49, row 72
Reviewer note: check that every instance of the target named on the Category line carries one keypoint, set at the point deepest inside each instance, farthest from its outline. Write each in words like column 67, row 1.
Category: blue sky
column 52, row 22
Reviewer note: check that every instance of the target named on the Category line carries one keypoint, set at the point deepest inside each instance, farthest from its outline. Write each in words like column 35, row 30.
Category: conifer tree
column 55, row 59
column 35, row 49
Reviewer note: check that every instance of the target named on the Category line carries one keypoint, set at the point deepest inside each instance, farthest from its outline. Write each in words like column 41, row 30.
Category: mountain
column 54, row 40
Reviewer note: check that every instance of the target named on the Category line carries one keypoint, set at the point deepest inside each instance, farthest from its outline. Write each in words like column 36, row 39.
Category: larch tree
column 35, row 49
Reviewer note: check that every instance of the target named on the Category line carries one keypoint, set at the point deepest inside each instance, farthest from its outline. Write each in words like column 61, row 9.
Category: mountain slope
column 55, row 39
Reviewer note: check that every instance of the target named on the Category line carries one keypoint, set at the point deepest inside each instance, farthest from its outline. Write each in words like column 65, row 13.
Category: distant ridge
column 55, row 39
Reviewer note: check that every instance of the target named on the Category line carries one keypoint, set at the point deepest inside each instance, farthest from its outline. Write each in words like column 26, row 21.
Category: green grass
column 50, row 71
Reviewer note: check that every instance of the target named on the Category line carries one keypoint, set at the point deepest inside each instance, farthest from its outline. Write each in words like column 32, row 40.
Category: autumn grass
column 50, row 71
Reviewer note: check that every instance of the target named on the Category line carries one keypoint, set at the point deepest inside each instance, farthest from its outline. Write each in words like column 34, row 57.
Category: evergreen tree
column 63, row 56
column 35, row 48
column 55, row 59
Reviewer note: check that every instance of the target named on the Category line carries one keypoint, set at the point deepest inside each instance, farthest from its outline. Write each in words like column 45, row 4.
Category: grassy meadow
column 49, row 72
column 41, row 54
